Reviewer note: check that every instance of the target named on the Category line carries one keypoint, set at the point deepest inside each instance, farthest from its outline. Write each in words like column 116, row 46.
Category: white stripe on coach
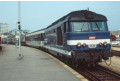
column 58, row 50
column 95, row 41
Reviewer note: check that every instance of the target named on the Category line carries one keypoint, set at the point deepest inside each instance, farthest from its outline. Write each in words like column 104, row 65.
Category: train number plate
column 92, row 45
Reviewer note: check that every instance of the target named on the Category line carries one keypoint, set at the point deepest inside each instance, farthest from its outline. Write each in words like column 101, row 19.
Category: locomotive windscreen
column 88, row 26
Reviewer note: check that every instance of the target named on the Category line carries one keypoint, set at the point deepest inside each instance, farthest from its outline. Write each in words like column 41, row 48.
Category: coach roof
column 36, row 32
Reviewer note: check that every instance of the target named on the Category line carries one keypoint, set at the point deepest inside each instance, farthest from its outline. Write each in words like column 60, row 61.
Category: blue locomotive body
column 80, row 35
column 91, row 40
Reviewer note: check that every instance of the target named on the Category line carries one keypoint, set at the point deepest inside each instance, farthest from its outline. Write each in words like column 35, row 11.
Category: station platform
column 34, row 66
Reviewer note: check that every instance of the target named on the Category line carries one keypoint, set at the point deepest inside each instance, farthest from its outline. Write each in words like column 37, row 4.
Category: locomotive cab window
column 98, row 26
column 88, row 26
column 65, row 27
column 80, row 26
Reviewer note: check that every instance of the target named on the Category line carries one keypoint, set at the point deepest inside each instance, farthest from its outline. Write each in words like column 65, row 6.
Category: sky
column 36, row 15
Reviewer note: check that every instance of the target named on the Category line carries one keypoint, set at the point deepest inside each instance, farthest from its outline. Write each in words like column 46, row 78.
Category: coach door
column 59, row 36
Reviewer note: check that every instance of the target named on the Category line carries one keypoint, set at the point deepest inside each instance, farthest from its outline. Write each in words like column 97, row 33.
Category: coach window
column 53, row 30
column 41, row 36
column 37, row 36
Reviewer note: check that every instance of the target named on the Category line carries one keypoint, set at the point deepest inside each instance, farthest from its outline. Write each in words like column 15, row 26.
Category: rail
column 99, row 73
column 115, row 53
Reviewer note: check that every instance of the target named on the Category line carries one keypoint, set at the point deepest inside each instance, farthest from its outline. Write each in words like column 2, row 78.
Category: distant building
column 4, row 28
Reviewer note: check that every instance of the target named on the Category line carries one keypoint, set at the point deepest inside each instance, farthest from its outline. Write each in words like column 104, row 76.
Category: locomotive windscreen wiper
column 82, row 26
column 97, row 26
column 86, row 25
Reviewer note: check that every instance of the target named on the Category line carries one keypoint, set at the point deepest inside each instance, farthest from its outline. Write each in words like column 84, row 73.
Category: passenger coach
column 35, row 39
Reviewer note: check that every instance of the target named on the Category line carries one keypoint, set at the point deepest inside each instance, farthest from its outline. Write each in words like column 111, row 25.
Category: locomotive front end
column 89, row 38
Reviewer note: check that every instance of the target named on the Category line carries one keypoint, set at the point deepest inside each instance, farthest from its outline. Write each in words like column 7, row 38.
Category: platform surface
column 35, row 66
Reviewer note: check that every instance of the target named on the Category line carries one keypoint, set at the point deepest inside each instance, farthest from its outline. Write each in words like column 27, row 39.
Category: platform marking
column 81, row 78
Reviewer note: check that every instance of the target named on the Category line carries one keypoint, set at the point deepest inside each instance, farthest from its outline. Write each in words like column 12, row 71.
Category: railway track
column 118, row 46
column 99, row 73
column 115, row 53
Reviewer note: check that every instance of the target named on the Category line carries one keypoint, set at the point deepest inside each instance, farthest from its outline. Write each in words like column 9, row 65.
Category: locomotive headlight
column 78, row 45
column 105, row 43
column 100, row 44
column 84, row 44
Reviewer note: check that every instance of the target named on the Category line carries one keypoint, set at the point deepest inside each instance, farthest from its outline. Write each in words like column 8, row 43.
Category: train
column 13, row 40
column 80, row 37
column 9, row 40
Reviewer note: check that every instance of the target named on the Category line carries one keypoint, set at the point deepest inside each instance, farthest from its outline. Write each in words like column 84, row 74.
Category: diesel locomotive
column 80, row 37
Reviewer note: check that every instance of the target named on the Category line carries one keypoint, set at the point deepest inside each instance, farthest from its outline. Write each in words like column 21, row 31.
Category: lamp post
column 19, row 27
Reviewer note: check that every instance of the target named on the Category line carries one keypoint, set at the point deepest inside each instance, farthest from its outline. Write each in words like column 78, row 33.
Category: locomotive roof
column 81, row 15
